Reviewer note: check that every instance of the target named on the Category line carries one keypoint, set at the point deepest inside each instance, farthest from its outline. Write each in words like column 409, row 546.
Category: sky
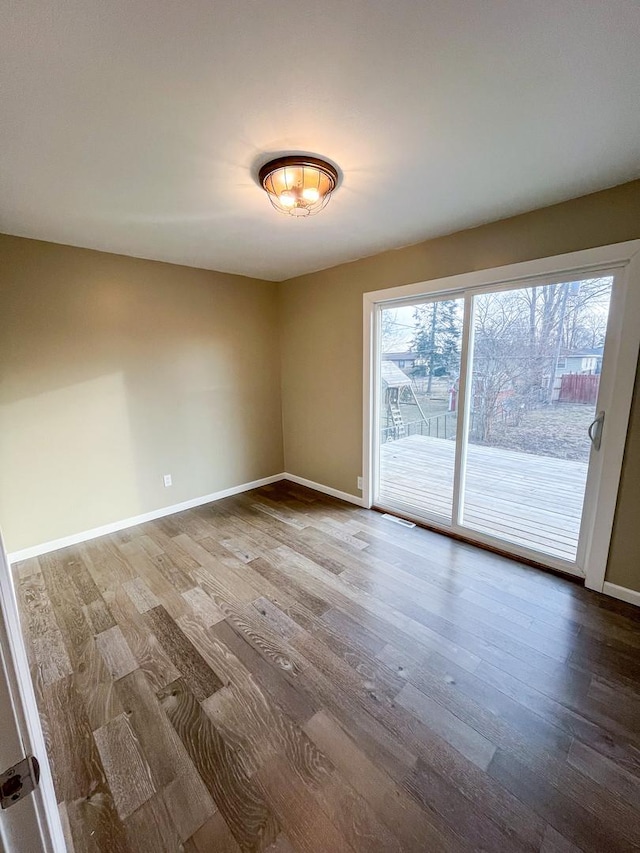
column 403, row 328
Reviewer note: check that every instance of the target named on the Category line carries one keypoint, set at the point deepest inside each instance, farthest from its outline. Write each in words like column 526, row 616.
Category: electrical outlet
column 167, row 480
column 360, row 483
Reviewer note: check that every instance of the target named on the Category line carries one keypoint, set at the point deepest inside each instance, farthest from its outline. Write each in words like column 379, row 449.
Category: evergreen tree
column 436, row 339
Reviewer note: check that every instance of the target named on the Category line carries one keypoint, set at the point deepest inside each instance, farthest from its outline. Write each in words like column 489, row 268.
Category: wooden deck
column 530, row 500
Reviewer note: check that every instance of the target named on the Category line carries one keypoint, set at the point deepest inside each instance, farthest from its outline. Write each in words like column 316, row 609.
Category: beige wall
column 321, row 331
column 115, row 371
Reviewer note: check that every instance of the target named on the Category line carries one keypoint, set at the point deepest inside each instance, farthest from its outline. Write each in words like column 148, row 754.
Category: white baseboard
column 75, row 538
column 113, row 527
column 631, row 596
column 326, row 490
column 622, row 593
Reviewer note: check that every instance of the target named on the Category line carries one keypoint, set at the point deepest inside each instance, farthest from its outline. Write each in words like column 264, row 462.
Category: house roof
column 594, row 352
column 400, row 356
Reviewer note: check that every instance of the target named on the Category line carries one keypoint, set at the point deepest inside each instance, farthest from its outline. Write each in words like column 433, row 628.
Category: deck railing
column 442, row 425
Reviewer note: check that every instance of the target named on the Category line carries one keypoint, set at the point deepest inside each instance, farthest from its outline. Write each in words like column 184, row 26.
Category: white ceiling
column 135, row 126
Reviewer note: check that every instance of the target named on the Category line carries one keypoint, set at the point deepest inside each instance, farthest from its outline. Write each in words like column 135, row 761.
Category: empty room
column 320, row 426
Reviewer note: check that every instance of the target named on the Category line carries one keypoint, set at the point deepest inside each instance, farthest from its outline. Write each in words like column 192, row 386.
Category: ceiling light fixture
column 298, row 185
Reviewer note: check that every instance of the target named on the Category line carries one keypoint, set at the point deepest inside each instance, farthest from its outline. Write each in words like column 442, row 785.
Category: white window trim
column 620, row 367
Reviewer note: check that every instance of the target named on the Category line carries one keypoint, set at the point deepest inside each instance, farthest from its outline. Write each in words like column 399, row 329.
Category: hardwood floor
column 281, row 671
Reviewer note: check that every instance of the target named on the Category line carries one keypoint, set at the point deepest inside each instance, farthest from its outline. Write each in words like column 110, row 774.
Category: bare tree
column 501, row 329
column 519, row 337
column 394, row 332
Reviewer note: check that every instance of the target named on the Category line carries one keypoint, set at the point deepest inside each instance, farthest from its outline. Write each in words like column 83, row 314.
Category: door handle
column 595, row 431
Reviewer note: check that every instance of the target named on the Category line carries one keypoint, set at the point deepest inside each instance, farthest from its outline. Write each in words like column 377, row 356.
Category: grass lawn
column 558, row 430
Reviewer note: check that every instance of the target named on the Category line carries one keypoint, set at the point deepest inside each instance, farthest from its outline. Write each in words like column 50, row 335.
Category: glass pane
column 536, row 363
column 419, row 374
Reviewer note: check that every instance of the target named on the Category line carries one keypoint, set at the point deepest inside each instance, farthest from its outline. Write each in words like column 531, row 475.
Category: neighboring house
column 586, row 361
column 403, row 360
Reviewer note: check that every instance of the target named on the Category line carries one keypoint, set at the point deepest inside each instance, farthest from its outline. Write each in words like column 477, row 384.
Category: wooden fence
column 579, row 388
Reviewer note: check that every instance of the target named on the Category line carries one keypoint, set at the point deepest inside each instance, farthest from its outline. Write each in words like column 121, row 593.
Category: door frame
column 618, row 372
column 33, row 823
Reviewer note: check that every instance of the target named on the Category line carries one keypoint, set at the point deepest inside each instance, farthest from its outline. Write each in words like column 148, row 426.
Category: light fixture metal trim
column 297, row 184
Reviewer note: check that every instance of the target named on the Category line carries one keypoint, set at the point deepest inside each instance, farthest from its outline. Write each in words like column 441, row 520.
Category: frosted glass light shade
column 298, row 186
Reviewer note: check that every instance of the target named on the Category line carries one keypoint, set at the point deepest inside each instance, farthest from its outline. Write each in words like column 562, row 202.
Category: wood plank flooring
column 280, row 671
column 534, row 501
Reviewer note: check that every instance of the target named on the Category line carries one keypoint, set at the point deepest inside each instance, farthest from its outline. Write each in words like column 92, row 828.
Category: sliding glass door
column 535, row 368
column 487, row 410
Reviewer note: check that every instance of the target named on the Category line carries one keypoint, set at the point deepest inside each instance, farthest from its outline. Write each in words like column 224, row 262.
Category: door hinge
column 19, row 781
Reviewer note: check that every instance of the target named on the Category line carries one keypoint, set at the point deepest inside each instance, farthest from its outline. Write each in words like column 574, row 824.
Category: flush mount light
column 298, row 185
